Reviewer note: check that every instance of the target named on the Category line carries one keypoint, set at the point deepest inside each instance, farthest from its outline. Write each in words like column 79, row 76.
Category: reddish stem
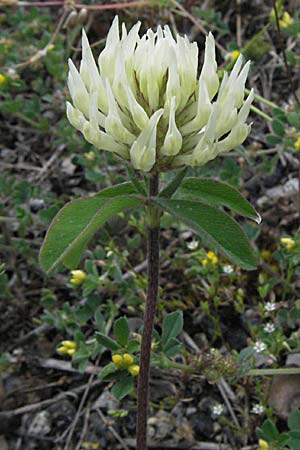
column 149, row 315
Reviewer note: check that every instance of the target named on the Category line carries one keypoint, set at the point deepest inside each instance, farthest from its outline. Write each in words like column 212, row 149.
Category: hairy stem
column 149, row 315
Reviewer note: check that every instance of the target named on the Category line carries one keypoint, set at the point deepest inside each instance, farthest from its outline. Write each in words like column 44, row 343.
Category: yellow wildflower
column 263, row 445
column 285, row 20
column 204, row 261
column 235, row 54
column 134, row 370
column 50, row 47
column 71, row 351
column 287, row 242
column 2, row 78
column 78, row 277
column 128, row 359
column 90, row 156
column 62, row 350
column 67, row 348
column 90, row 445
column 297, row 143
column 212, row 257
column 69, row 344
column 117, row 360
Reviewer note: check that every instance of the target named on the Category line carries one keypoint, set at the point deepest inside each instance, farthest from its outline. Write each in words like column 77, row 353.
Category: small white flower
column 270, row 306
column 269, row 327
column 228, row 269
column 218, row 409
column 259, row 347
column 193, row 245
column 258, row 409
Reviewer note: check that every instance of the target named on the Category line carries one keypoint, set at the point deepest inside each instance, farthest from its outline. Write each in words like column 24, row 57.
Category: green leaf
column 80, row 359
column 279, row 114
column 172, row 326
column 283, row 439
column 122, row 388
column 294, row 444
column 77, row 222
column 133, row 346
column 83, row 313
column 119, row 189
column 272, row 139
column 270, row 431
column 107, row 341
column 215, row 228
column 121, row 330
column 169, row 190
column 278, row 127
column 245, row 355
column 100, row 321
column 294, row 119
column 172, row 347
column 295, row 434
column 139, row 186
column 294, row 420
column 218, row 193
column 108, row 370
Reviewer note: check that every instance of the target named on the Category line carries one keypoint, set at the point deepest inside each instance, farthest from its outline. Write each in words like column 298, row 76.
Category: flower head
column 270, row 306
column 228, row 269
column 235, row 54
column 285, row 20
column 263, row 445
column 287, row 242
column 217, row 410
column 297, row 143
column 145, row 102
column 67, row 348
column 117, row 359
column 211, row 257
column 127, row 358
column 259, row 347
column 258, row 409
column 193, row 245
column 269, row 327
column 78, row 277
column 134, row 370
column 124, row 360
column 2, row 78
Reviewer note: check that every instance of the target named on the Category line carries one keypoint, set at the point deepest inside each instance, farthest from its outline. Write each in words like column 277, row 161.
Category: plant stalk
column 149, row 315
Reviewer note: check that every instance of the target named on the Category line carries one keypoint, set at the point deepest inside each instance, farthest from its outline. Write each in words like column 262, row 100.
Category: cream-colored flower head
column 144, row 101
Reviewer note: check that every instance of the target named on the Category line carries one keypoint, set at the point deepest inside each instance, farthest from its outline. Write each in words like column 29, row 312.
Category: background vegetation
column 53, row 398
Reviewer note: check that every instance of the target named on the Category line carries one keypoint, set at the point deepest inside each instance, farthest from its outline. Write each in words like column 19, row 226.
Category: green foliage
column 122, row 388
column 107, row 342
column 285, row 440
column 212, row 17
column 121, row 331
column 257, row 46
column 76, row 224
column 164, row 346
column 215, row 227
column 174, row 184
column 172, row 326
column 217, row 193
